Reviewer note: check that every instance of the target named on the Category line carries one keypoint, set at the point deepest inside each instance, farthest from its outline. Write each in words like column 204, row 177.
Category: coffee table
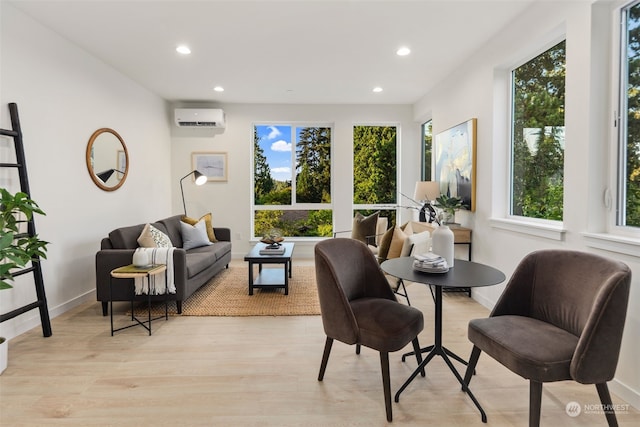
column 270, row 277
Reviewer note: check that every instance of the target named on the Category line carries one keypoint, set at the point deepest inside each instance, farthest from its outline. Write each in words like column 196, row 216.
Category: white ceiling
column 296, row 51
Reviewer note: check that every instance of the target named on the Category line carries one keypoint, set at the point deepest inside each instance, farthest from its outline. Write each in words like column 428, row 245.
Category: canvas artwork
column 455, row 162
column 212, row 165
column 122, row 164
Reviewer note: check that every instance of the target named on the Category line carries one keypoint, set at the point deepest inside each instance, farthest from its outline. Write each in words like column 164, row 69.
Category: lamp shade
column 426, row 190
column 200, row 178
column 104, row 176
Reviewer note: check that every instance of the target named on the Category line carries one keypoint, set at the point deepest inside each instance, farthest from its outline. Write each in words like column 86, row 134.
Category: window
column 296, row 200
column 374, row 169
column 427, row 144
column 628, row 206
column 537, row 136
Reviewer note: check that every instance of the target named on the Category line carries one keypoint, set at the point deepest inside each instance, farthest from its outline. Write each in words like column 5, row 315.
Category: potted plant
column 449, row 206
column 17, row 248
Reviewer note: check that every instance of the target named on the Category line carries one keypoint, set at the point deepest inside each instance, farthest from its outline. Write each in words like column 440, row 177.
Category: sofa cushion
column 208, row 220
column 199, row 259
column 194, row 236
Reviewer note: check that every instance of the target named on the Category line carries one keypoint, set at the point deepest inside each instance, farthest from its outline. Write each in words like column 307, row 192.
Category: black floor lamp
column 200, row 179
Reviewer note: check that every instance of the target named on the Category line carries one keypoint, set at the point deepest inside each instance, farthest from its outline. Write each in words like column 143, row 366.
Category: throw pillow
column 397, row 241
column 151, row 237
column 418, row 243
column 194, row 236
column 208, row 220
column 385, row 244
column 364, row 228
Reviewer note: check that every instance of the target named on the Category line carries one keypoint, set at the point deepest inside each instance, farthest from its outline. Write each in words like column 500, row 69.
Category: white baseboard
column 626, row 393
column 27, row 321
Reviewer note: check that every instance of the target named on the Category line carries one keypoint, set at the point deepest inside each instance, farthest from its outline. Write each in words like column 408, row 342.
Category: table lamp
column 426, row 192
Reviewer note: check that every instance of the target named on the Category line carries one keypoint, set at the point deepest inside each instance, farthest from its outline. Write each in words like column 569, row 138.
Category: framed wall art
column 455, row 162
column 122, row 164
column 211, row 164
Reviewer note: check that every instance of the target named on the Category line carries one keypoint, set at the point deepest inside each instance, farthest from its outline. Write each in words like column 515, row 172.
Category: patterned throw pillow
column 208, row 220
column 151, row 237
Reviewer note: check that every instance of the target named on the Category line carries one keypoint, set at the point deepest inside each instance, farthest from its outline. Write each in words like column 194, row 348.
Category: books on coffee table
column 272, row 251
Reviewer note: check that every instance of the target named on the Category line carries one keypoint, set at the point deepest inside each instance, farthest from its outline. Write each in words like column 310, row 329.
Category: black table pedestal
column 437, row 349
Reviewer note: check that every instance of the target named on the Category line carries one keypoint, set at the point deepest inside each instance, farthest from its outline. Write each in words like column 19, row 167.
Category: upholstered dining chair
column 358, row 306
column 560, row 317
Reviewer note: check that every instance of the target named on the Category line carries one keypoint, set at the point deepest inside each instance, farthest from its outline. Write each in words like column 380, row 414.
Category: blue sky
column 275, row 141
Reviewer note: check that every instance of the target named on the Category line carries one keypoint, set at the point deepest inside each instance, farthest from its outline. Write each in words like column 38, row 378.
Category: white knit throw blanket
column 156, row 284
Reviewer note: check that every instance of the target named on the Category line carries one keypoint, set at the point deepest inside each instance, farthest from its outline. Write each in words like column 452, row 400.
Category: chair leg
column 325, row 357
column 471, row 366
column 386, row 383
column 607, row 405
column 357, row 348
column 535, row 400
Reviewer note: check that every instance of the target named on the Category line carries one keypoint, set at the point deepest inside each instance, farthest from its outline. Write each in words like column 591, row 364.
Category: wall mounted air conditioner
column 199, row 117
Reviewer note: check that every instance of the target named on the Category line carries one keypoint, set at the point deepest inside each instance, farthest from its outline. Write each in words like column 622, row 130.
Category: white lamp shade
column 426, row 190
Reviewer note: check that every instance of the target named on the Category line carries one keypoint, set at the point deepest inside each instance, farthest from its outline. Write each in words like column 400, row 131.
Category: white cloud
column 281, row 146
column 273, row 132
column 284, row 169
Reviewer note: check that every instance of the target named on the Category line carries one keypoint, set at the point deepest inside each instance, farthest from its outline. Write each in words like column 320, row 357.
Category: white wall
column 63, row 96
column 479, row 90
column 229, row 201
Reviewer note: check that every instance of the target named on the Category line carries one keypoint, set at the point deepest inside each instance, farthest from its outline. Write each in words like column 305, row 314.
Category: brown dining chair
column 358, row 306
column 560, row 317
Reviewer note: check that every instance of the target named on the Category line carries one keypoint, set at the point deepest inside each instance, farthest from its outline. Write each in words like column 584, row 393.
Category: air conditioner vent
column 200, row 117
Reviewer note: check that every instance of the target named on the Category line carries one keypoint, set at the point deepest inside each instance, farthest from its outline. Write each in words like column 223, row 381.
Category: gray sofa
column 192, row 268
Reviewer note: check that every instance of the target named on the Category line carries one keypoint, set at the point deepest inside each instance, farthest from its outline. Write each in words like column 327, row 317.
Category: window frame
column 389, row 206
column 294, row 206
column 617, row 218
column 501, row 216
column 546, row 47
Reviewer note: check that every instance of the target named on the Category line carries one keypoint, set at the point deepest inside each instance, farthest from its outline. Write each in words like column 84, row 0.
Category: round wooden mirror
column 107, row 159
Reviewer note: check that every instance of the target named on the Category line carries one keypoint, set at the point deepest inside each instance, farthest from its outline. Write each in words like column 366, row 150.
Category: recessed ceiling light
column 218, row 89
column 403, row 51
column 183, row 50
column 377, row 89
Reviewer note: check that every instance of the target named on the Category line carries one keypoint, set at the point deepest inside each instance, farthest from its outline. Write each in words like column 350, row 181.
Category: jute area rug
column 227, row 294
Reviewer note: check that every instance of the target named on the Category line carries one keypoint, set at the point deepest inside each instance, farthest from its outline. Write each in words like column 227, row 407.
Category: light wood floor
column 258, row 371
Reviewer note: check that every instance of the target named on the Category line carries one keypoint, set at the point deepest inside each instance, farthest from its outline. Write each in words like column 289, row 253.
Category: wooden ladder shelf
column 35, row 268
